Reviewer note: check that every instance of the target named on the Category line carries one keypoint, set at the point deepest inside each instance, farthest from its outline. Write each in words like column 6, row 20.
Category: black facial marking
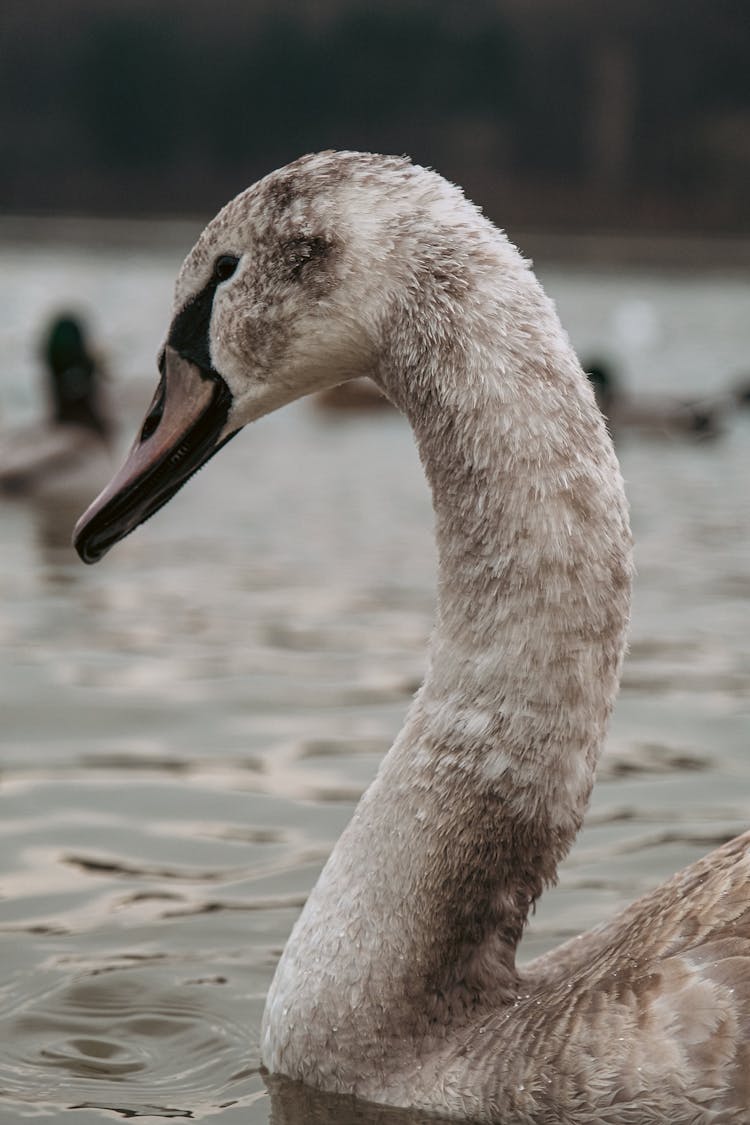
column 189, row 333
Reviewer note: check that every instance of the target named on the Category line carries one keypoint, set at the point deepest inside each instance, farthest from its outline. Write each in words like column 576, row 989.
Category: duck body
column 69, row 452
column 656, row 416
column 48, row 459
column 399, row 982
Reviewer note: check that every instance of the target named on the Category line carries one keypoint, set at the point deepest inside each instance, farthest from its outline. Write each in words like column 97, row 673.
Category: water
column 187, row 726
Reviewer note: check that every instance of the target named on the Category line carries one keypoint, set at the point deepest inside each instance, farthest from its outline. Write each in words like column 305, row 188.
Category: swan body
column 399, row 981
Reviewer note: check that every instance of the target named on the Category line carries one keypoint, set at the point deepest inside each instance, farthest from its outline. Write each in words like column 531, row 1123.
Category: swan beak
column 183, row 428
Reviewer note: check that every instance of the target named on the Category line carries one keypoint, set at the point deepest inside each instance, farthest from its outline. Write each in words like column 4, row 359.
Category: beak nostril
column 151, row 424
column 154, row 416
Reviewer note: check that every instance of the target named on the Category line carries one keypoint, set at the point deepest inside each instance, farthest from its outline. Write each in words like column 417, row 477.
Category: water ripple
column 127, row 1041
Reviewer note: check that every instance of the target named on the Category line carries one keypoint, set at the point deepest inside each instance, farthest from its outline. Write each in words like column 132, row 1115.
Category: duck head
column 264, row 313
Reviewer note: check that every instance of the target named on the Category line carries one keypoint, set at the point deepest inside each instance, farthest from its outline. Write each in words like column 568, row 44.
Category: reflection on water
column 187, row 726
column 54, row 520
column 292, row 1104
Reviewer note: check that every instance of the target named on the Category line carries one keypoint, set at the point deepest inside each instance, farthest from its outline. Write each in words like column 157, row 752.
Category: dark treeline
column 565, row 113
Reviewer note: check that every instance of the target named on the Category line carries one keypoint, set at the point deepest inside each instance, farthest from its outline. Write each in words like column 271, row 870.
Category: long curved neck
column 534, row 574
column 485, row 788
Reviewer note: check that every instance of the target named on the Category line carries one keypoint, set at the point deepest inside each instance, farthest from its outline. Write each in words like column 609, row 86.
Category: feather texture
column 399, row 982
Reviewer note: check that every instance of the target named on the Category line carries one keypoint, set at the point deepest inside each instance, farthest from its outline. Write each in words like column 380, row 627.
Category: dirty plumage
column 399, row 982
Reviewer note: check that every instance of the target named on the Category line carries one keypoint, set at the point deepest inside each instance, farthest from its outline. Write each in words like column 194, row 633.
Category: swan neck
column 534, row 564
column 412, row 929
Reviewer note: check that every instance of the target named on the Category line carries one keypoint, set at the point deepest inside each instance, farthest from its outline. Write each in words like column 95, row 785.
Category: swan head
column 284, row 294
column 279, row 295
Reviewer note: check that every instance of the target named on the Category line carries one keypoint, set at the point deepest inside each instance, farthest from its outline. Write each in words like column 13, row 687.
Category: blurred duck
column 741, row 393
column 70, row 451
column 656, row 415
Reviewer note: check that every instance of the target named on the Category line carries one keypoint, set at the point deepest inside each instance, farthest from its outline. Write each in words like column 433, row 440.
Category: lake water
column 186, row 728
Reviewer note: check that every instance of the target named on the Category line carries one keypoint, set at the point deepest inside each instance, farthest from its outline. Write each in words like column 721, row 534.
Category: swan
column 399, row 982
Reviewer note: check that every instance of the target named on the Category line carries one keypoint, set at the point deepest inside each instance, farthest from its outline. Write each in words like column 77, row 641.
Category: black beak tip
column 86, row 550
column 87, row 554
column 90, row 543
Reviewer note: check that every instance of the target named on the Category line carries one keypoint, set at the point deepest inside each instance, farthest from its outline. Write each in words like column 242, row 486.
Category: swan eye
column 224, row 267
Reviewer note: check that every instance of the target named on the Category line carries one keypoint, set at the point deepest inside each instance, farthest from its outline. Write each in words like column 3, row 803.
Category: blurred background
column 569, row 114
column 187, row 726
